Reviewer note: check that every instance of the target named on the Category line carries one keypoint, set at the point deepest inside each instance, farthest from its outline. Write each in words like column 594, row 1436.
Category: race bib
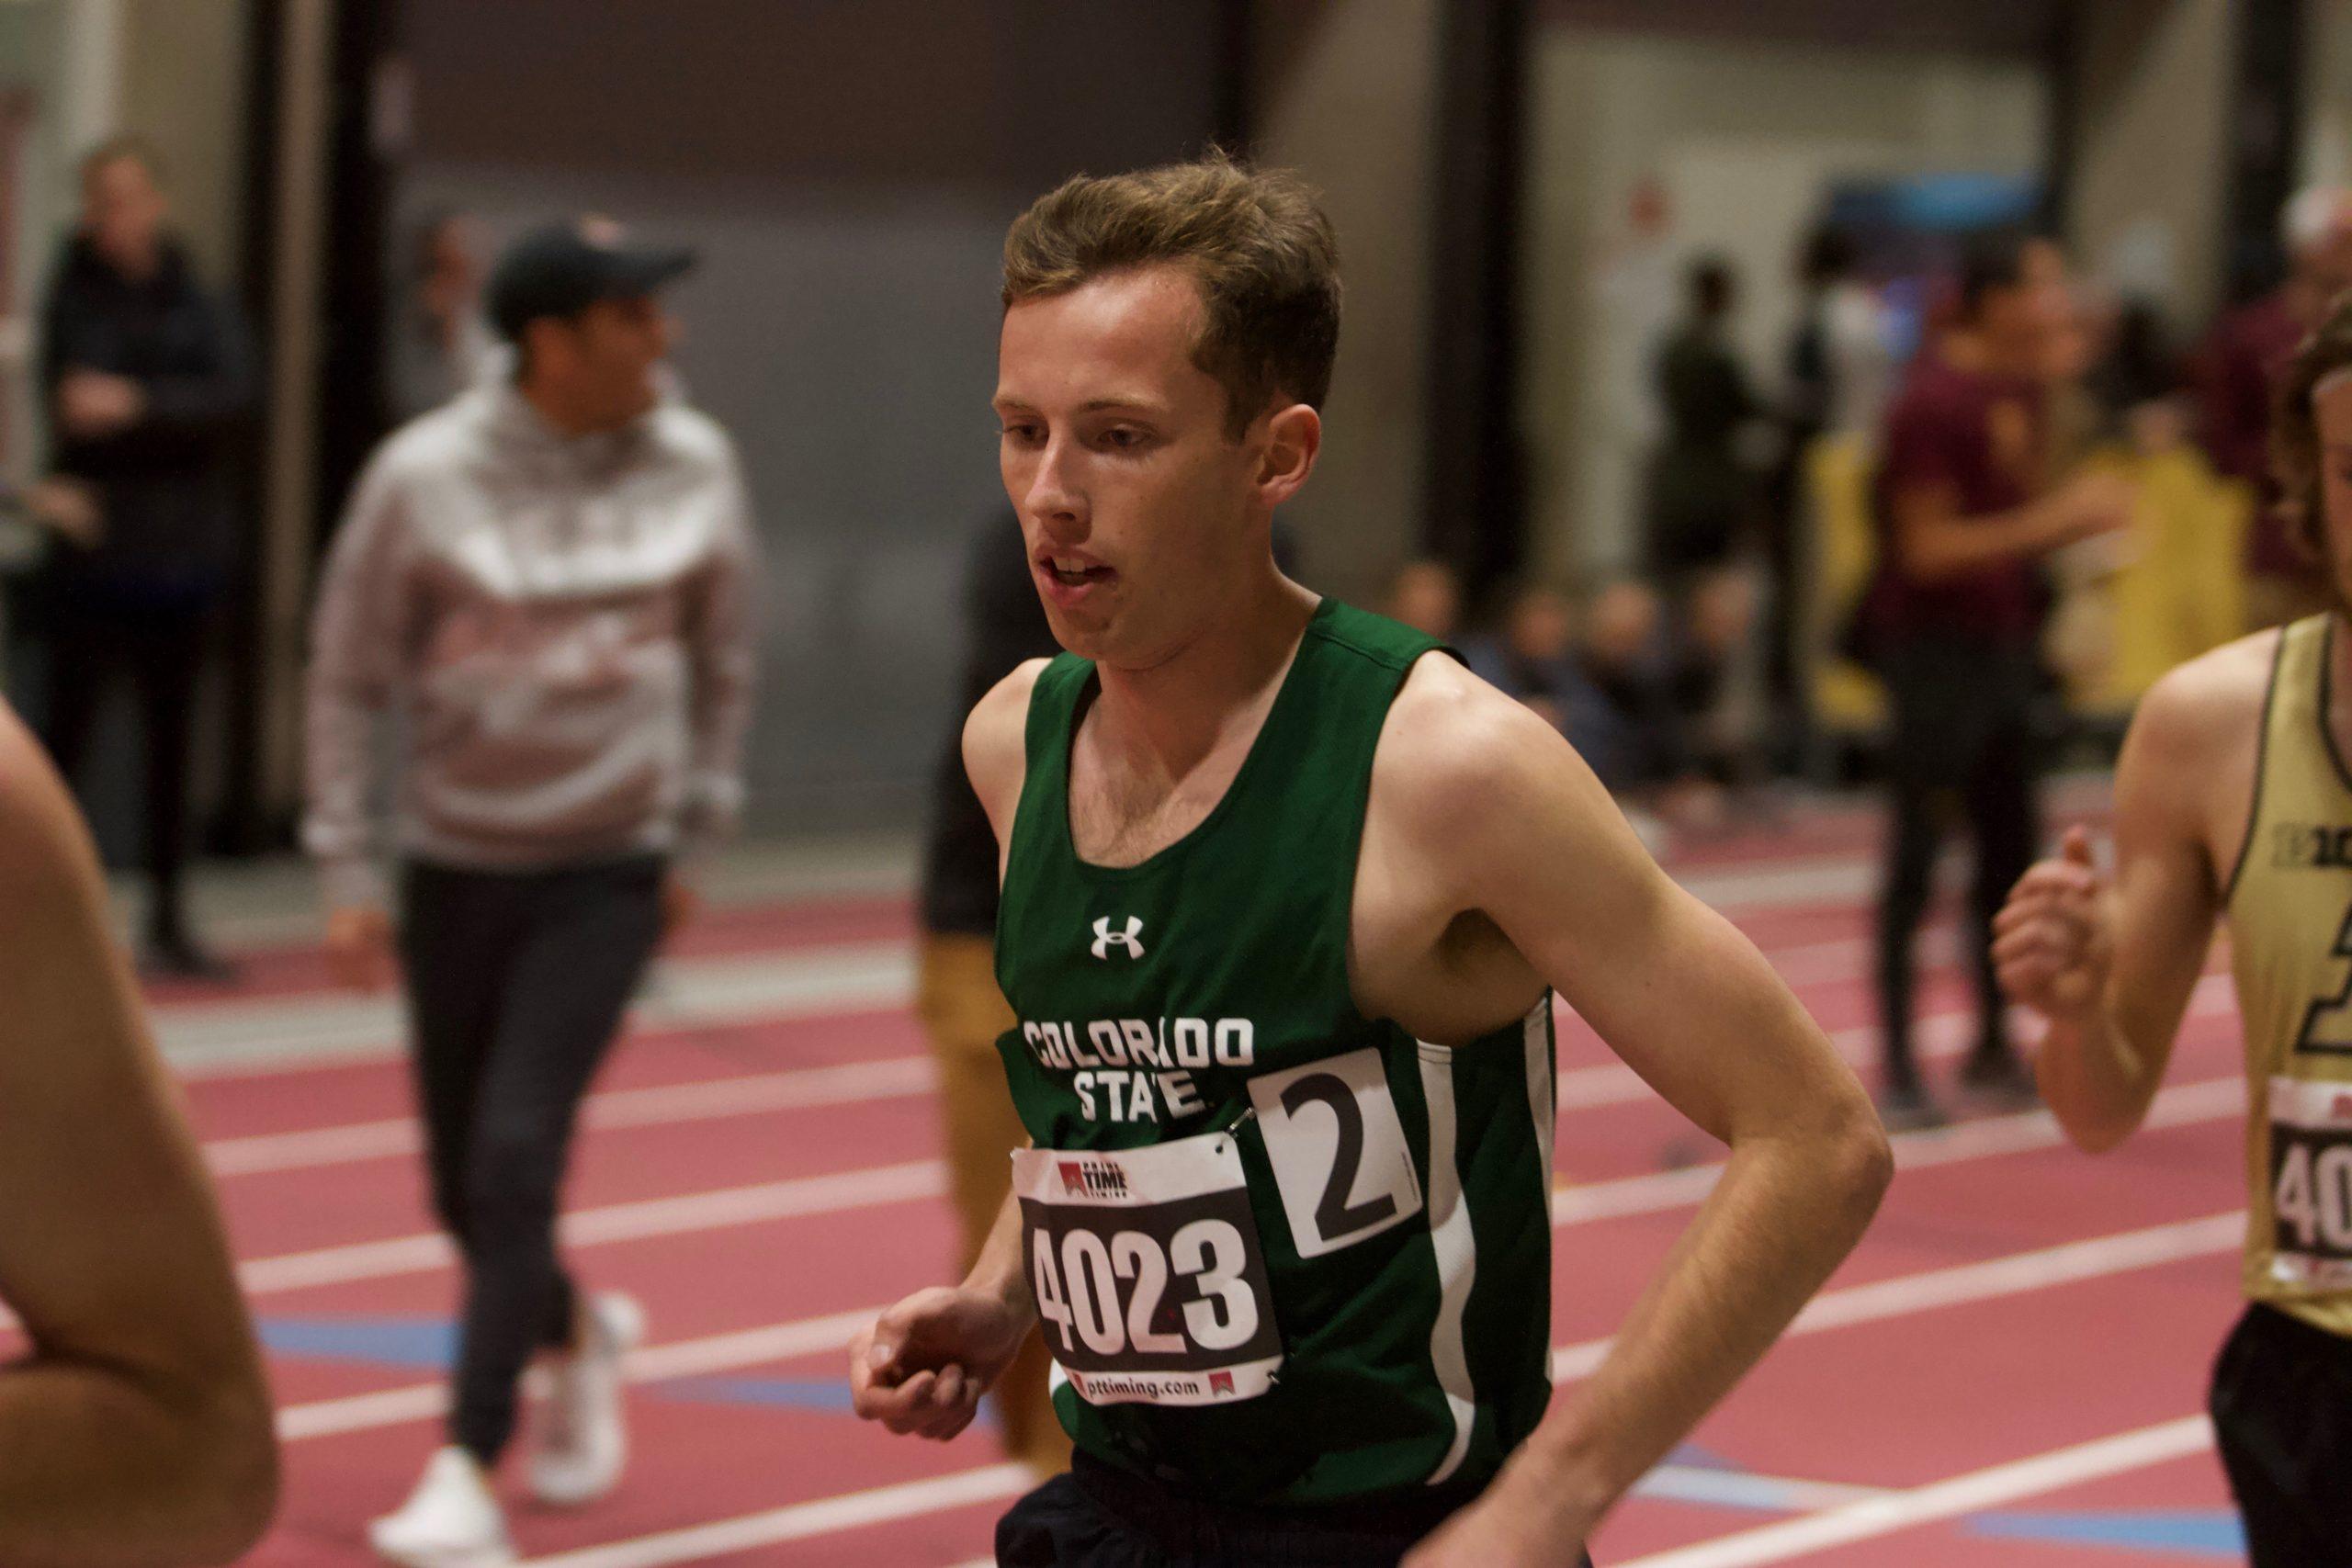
column 2311, row 1183
column 1150, row 1278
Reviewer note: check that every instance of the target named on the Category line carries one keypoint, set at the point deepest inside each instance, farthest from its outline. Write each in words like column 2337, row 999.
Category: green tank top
column 1284, row 1253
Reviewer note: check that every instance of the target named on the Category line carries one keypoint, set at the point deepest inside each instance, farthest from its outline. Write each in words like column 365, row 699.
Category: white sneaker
column 449, row 1521
column 583, row 1439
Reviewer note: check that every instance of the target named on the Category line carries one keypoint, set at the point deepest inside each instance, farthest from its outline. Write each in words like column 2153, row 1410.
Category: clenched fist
column 2054, row 941
column 924, row 1364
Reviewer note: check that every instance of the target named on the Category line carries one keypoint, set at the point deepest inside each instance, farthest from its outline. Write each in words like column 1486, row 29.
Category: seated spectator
column 1714, row 718
column 1608, row 690
column 1426, row 595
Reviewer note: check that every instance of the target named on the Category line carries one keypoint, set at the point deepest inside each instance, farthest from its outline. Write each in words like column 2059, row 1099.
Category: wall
column 2327, row 92
column 1740, row 138
column 182, row 86
column 847, row 169
column 1345, row 92
column 174, row 71
column 2151, row 99
column 31, row 53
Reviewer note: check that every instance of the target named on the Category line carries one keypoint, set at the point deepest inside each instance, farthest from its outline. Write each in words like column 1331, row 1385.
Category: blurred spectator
column 1838, row 372
column 1966, row 509
column 148, row 381
column 1701, row 502
column 548, row 582
column 1713, row 719
column 2237, row 369
column 65, row 508
column 441, row 343
column 2136, row 377
column 1606, row 690
column 1426, row 595
column 1840, row 359
column 1531, row 656
column 1619, row 713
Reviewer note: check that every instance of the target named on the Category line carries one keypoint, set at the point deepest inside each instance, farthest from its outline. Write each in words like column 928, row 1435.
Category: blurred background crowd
column 1638, row 292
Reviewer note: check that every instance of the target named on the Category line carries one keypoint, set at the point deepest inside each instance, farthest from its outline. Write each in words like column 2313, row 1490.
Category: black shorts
column 2282, row 1414
column 1100, row 1517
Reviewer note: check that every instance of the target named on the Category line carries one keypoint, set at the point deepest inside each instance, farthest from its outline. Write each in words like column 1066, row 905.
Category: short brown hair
column 1256, row 239
column 2295, row 456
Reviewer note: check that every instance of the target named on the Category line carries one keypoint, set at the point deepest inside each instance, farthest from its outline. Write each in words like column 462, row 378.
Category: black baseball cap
column 561, row 270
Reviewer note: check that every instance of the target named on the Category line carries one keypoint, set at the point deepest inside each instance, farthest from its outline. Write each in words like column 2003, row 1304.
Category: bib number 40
column 2310, row 1182
column 2314, row 1195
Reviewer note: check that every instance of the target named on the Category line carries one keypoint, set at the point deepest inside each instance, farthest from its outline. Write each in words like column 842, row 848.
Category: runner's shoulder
column 1455, row 751
column 996, row 736
column 2210, row 705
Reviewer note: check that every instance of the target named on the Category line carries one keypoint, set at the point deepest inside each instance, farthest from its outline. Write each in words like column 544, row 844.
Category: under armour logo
column 1105, row 938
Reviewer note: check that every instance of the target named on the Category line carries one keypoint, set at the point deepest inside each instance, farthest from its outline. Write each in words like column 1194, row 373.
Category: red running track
column 2011, row 1360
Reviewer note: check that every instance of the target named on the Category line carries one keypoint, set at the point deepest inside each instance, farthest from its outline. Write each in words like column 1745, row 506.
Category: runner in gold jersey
column 2233, row 798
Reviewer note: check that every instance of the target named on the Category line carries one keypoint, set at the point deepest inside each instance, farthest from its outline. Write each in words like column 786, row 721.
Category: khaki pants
column 958, row 1002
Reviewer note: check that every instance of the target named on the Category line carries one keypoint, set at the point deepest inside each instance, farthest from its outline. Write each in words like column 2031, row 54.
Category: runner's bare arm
column 2112, row 967
column 1520, row 831
column 923, row 1365
column 138, row 1430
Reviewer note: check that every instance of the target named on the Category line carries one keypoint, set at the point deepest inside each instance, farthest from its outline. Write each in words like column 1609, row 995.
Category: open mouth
column 1071, row 573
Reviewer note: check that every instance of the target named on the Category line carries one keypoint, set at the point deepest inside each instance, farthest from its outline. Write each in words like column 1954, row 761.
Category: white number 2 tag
column 1338, row 1150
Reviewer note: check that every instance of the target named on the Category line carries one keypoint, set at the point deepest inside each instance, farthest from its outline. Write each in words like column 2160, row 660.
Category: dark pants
column 161, row 649
column 2282, row 1414
column 1098, row 1517
column 1962, row 744
column 516, row 986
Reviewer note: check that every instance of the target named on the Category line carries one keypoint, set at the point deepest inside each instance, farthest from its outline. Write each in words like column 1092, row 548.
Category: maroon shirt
column 1979, row 437
column 2238, row 372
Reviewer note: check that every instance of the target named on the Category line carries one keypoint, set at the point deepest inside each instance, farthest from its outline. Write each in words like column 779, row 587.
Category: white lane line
column 1808, row 882
column 236, row 1037
column 1574, row 1204
column 2182, row 1105
column 840, row 1191
column 291, row 1033
column 654, row 1363
column 1942, row 1035
column 832, row 1193
column 1859, row 1510
column 1937, row 1035
column 1738, row 1489
column 1990, row 1279
column 906, row 1500
column 1868, row 1518
column 660, row 1105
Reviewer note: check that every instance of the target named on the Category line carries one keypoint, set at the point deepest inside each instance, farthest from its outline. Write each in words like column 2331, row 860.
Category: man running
column 2232, row 798
column 547, row 581
column 1284, row 903
column 135, row 1427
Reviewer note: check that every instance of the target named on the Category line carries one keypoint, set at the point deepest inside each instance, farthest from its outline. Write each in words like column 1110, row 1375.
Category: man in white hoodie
column 547, row 581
